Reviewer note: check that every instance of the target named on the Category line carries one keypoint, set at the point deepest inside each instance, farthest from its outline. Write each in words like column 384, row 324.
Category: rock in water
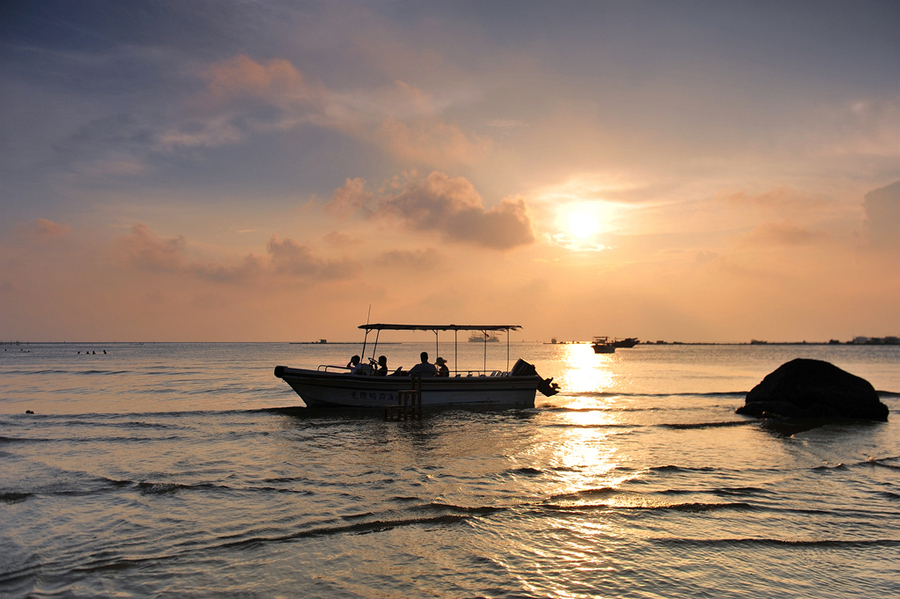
column 805, row 388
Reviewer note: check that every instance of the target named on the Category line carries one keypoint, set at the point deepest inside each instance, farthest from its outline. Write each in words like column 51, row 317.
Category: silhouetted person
column 382, row 366
column 441, row 365
column 423, row 368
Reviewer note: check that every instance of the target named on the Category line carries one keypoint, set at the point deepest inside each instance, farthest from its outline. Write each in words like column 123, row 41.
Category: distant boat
column 626, row 343
column 483, row 337
column 602, row 345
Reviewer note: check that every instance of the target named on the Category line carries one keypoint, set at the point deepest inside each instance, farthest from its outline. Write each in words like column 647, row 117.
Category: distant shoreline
column 876, row 343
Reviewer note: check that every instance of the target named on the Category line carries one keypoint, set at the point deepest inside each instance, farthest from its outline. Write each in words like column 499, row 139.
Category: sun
column 582, row 225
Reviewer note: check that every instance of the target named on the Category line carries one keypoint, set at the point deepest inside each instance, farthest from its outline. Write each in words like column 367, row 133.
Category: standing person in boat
column 423, row 368
column 441, row 365
column 382, row 366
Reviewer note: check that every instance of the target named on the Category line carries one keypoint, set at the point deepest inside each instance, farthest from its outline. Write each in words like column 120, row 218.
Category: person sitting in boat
column 423, row 368
column 441, row 365
column 382, row 366
column 357, row 367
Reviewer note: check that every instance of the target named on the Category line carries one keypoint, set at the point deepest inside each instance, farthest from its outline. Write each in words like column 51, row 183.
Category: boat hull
column 330, row 389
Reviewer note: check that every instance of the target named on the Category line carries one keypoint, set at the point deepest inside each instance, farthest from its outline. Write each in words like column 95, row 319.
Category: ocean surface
column 189, row 470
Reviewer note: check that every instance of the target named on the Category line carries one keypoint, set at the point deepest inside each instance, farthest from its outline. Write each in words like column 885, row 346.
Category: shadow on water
column 351, row 413
column 788, row 427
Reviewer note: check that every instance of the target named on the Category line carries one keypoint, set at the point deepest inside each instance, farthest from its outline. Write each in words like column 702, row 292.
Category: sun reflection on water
column 585, row 371
column 583, row 449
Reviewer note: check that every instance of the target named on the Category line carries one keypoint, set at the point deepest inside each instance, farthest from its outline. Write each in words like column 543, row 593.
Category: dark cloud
column 882, row 220
column 447, row 205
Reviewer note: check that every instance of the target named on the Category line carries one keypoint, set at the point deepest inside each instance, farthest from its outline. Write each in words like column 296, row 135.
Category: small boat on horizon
column 602, row 345
column 626, row 343
column 483, row 337
column 337, row 386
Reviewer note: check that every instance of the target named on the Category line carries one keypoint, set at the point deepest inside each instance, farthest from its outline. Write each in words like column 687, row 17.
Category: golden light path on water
column 582, row 450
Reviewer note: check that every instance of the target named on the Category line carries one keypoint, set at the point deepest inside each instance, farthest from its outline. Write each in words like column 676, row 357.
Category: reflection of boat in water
column 332, row 386
column 482, row 337
column 602, row 345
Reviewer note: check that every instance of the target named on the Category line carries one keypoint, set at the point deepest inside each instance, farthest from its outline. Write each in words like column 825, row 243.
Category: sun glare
column 582, row 225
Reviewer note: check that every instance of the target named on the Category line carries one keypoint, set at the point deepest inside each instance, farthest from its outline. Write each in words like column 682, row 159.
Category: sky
column 283, row 171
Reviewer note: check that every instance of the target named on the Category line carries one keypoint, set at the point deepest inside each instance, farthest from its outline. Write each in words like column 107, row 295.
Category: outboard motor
column 523, row 368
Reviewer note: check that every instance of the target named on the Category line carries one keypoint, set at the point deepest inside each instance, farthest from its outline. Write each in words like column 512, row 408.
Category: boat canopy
column 440, row 327
column 436, row 328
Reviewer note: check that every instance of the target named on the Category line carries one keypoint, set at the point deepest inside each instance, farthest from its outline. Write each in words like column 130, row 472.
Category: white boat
column 334, row 386
column 602, row 345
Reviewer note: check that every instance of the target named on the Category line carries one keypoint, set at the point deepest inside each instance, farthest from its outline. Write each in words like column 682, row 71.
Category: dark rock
column 805, row 388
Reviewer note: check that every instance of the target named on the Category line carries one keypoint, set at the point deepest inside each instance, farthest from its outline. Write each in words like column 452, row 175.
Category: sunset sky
column 266, row 171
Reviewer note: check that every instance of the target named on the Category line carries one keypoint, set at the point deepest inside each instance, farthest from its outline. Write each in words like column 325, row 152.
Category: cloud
column 47, row 228
column 341, row 240
column 447, row 205
column 433, row 142
column 415, row 260
column 574, row 244
column 249, row 268
column 349, row 199
column 243, row 96
column 292, row 258
column 785, row 233
column 240, row 76
column 142, row 249
column 882, row 220
column 506, row 123
column 776, row 200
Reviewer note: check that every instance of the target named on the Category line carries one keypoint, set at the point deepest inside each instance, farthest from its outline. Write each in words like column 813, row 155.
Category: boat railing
column 477, row 373
column 455, row 373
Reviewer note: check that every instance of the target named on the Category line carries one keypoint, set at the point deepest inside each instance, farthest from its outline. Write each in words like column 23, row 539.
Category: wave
column 693, row 425
column 576, row 495
column 881, row 462
column 358, row 528
column 750, row 542
column 684, row 469
column 739, row 394
column 697, row 506
column 14, row 497
column 76, row 372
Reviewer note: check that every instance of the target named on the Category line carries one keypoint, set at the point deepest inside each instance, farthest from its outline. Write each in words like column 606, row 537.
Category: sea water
column 190, row 470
